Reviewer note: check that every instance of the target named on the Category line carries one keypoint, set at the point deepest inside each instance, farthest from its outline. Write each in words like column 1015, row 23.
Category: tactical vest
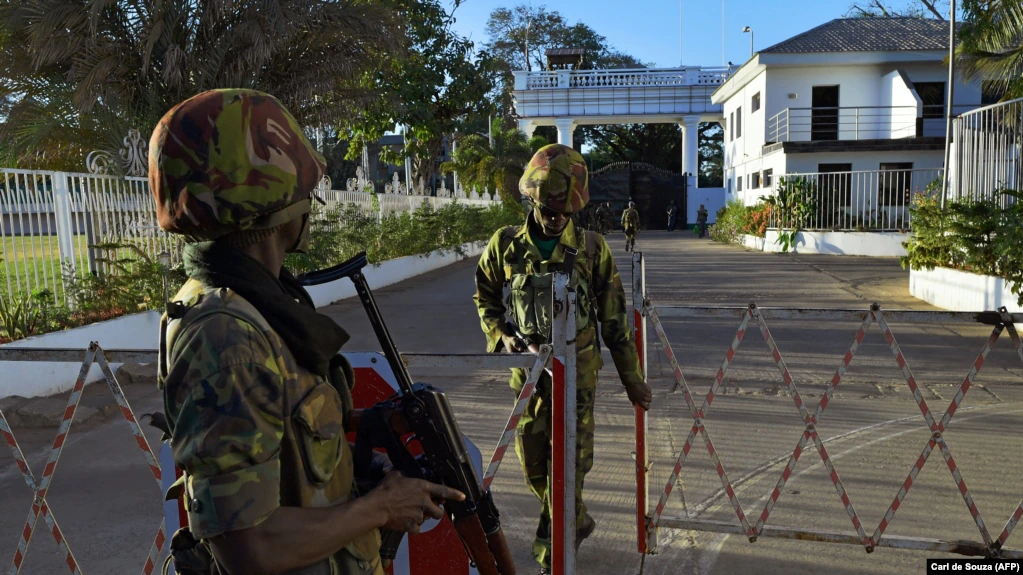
column 531, row 295
column 316, row 464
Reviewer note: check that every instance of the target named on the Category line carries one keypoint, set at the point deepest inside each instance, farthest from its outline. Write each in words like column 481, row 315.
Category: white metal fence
column 853, row 201
column 986, row 153
column 53, row 224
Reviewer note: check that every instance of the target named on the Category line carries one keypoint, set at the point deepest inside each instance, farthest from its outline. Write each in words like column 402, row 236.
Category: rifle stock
column 425, row 412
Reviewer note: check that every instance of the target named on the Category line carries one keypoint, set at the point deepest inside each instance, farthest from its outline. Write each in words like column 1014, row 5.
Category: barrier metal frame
column 649, row 523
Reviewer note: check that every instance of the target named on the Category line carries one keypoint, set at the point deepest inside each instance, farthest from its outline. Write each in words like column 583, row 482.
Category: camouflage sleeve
column 490, row 291
column 224, row 398
column 611, row 311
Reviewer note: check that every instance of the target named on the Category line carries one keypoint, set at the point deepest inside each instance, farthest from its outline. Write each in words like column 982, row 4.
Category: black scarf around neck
column 313, row 338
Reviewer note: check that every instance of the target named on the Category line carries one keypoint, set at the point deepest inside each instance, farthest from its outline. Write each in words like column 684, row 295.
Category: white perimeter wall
column 873, row 244
column 955, row 290
column 142, row 331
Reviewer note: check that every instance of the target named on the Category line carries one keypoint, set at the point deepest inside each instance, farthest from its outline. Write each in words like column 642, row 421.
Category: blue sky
column 649, row 29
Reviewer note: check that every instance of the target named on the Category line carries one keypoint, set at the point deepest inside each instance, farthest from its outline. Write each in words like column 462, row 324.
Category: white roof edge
column 760, row 62
column 838, row 58
column 737, row 81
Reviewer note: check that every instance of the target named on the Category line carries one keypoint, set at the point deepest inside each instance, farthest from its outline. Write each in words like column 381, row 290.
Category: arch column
column 691, row 147
column 565, row 128
column 528, row 127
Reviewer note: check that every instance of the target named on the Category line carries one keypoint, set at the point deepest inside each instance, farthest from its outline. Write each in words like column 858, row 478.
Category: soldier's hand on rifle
column 640, row 395
column 408, row 502
column 512, row 344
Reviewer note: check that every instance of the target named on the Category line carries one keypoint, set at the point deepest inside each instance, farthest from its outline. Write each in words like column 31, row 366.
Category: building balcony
column 858, row 123
column 638, row 95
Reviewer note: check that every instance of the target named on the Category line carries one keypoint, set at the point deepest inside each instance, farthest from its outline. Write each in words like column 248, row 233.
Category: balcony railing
column 854, row 201
column 624, row 78
column 828, row 124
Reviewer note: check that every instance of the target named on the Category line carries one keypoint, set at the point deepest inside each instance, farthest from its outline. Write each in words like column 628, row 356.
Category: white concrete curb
column 873, row 244
column 36, row 378
column 956, row 290
column 392, row 272
column 141, row 331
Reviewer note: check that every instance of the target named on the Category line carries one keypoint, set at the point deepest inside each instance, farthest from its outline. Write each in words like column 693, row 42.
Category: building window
column 992, row 92
column 768, row 178
column 731, row 127
column 894, row 183
column 738, row 183
column 756, row 180
column 755, row 103
column 835, row 189
column 738, row 122
column 933, row 96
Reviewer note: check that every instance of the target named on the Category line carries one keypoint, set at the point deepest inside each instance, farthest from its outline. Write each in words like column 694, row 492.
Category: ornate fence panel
column 54, row 224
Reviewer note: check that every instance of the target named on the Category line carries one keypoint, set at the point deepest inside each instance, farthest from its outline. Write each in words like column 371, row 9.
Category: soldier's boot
column 586, row 528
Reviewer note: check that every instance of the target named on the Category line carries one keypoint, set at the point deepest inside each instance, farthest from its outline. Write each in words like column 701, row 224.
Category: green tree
column 507, row 30
column 656, row 144
column 482, row 166
column 512, row 30
column 712, row 156
column 905, row 8
column 990, row 45
column 440, row 84
column 77, row 74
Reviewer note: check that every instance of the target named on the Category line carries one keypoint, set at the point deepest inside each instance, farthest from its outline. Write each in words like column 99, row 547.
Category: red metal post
column 642, row 458
column 563, row 431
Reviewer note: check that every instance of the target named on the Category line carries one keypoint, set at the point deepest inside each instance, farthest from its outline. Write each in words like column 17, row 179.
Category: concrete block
column 49, row 412
column 136, row 373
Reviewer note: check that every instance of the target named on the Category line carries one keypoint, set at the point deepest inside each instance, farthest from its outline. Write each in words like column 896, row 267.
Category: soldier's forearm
column 296, row 537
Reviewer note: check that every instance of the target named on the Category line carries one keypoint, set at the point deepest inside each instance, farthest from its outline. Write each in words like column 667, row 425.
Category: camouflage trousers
column 630, row 239
column 533, row 446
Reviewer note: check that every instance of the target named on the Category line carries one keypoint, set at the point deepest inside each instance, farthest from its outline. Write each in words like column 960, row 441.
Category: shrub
column 737, row 219
column 345, row 231
column 979, row 237
column 131, row 282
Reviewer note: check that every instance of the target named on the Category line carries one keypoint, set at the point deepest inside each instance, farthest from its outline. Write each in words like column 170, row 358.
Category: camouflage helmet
column 556, row 178
column 230, row 160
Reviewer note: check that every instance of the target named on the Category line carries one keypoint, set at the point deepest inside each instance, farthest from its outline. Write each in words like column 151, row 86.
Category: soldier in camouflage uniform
column 630, row 223
column 525, row 258
column 256, row 396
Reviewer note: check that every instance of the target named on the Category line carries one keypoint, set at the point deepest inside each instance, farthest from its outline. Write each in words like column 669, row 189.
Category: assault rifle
column 422, row 414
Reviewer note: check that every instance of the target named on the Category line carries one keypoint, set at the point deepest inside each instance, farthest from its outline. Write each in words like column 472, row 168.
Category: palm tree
column 991, row 46
column 482, row 166
column 80, row 73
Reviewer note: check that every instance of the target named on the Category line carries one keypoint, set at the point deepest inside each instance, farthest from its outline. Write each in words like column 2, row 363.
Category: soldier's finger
column 430, row 509
column 438, row 491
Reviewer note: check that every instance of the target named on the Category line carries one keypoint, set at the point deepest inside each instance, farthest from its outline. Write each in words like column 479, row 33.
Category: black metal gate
column 650, row 187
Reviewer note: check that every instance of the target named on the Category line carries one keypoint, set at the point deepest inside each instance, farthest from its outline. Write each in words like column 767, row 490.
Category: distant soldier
column 630, row 223
column 701, row 220
column 609, row 218
column 599, row 215
column 523, row 258
column 672, row 216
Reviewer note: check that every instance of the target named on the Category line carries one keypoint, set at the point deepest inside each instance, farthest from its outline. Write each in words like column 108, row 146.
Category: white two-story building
column 856, row 104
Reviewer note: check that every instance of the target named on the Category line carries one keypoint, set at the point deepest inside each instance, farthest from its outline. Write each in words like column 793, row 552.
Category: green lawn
column 35, row 261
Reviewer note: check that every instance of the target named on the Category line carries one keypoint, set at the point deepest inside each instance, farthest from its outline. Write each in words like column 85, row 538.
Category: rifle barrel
column 352, row 269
